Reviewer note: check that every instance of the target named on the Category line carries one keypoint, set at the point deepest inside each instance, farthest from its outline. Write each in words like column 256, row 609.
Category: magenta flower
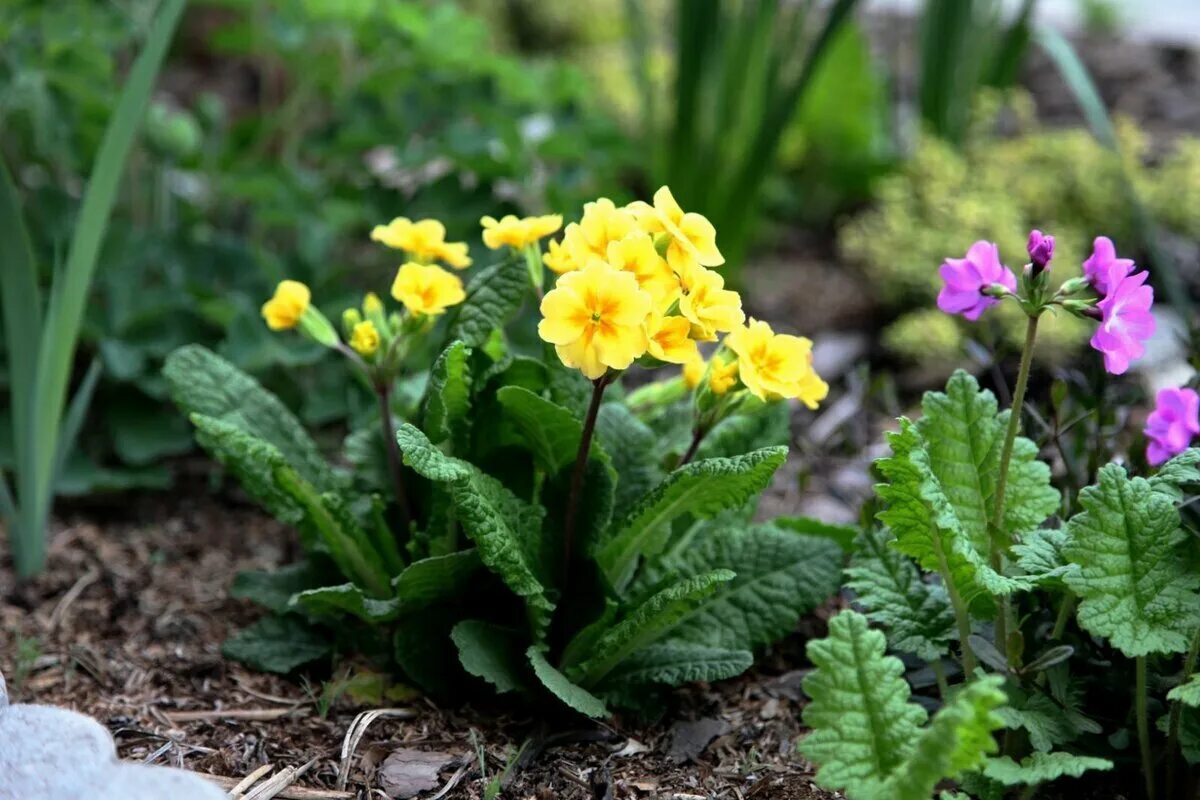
column 1040, row 249
column 1172, row 424
column 1125, row 318
column 967, row 278
column 1100, row 263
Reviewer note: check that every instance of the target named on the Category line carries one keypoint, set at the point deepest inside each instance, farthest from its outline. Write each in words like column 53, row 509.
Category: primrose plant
column 529, row 526
column 1040, row 609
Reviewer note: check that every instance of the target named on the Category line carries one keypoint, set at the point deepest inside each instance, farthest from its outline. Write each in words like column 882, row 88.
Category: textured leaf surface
column 276, row 644
column 632, row 447
column 702, row 488
column 493, row 297
column 915, row 614
column 333, row 601
column 273, row 589
column 779, row 577
column 768, row 426
column 1133, row 582
column 1049, row 721
column 448, row 397
column 677, row 663
column 492, row 516
column 1039, row 555
column 647, row 624
column 561, row 687
column 1042, row 768
column 202, row 382
column 1177, row 473
column 252, row 461
column 844, row 535
column 437, row 579
column 491, row 652
column 863, row 725
column 957, row 740
column 550, row 431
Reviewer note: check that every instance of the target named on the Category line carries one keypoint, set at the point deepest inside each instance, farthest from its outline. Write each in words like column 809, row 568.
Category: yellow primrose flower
column 556, row 258
column 722, row 375
column 708, row 304
column 668, row 340
column 427, row 289
column 424, row 240
column 775, row 365
column 602, row 223
column 636, row 254
column 595, row 318
column 509, row 231
column 284, row 309
column 365, row 338
column 693, row 370
column 453, row 254
column 693, row 237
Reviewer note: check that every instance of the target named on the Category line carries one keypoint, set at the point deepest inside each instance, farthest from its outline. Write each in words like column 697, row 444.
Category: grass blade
column 65, row 313
column 76, row 413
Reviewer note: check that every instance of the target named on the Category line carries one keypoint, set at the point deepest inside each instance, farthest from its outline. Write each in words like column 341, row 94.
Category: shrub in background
column 528, row 523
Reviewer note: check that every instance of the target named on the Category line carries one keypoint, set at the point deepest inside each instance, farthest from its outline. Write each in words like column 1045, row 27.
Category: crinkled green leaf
column 273, row 589
column 1133, row 581
column 550, row 431
column 252, row 461
column 1049, row 720
column 448, row 396
column 1177, row 473
column 202, row 382
column 493, row 653
column 333, row 601
column 958, row 740
column 425, row 651
column 1039, row 556
column 768, row 425
column 1187, row 692
column 844, row 535
column 493, row 296
column 676, row 663
column 647, row 624
column 633, row 449
column 561, row 687
column 863, row 725
column 779, row 577
column 702, row 489
column 437, row 579
column 916, row 614
column 493, row 517
column 277, row 644
column 1042, row 768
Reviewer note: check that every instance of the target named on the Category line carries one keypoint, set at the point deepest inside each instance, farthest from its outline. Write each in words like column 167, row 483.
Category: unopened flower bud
column 1073, row 286
column 350, row 318
column 1041, row 250
column 996, row 290
column 1082, row 308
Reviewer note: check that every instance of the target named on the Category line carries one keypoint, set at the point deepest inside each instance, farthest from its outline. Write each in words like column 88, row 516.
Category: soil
column 126, row 625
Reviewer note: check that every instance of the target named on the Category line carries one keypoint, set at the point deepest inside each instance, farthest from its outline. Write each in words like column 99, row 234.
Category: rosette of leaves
column 670, row 581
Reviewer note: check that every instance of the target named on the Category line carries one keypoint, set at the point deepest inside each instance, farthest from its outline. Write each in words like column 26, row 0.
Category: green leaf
column 437, row 579
column 1050, row 721
column 204, row 383
column 493, row 297
column 1187, row 692
column 550, row 431
column 334, row 601
column 766, row 426
column 843, row 535
column 1133, row 581
column 276, row 644
column 1042, row 768
column 491, row 652
column 916, row 614
column 957, row 740
column 780, row 577
column 561, row 687
column 494, row 518
column 632, row 448
column 425, row 652
column 1039, row 555
column 702, row 489
column 677, row 663
column 1177, row 473
column 448, row 396
column 273, row 589
column 863, row 725
column 647, row 624
column 253, row 462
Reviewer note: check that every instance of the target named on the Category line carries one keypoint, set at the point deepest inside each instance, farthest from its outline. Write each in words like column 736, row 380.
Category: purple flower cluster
column 1172, row 425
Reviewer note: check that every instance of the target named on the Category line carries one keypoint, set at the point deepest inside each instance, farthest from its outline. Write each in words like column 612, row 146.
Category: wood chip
column 243, row 714
column 290, row 793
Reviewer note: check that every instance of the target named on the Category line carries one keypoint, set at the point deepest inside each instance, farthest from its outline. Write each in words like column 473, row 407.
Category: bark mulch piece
column 126, row 625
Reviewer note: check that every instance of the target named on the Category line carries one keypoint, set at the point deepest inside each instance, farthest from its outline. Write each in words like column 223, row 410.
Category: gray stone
column 127, row 781
column 51, row 753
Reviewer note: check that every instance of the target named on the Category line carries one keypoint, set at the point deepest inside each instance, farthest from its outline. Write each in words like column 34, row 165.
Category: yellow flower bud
column 365, row 338
column 284, row 310
column 722, row 375
column 372, row 304
column 693, row 371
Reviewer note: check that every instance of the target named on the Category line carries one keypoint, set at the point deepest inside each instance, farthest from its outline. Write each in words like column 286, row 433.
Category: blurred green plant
column 966, row 45
column 42, row 342
column 324, row 118
column 742, row 69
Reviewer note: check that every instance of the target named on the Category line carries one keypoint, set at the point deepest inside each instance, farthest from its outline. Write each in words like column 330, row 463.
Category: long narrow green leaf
column 64, row 316
column 8, row 506
column 76, row 413
column 1063, row 54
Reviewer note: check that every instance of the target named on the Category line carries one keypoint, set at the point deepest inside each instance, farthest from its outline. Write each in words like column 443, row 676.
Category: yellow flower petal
column 427, row 289
column 284, row 309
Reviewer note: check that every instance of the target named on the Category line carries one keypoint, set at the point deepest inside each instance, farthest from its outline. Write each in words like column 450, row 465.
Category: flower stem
column 585, row 446
column 1064, row 614
column 697, row 437
column 1143, row 726
column 392, row 447
column 1010, row 437
column 1176, row 716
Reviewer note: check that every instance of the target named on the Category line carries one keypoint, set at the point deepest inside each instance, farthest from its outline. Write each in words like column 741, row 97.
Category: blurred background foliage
column 283, row 130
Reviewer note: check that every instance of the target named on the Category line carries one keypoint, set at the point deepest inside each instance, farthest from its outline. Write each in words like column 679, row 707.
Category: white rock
column 3, row 692
column 51, row 753
column 126, row 781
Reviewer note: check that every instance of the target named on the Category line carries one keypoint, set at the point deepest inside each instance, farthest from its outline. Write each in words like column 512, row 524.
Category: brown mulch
column 126, row 625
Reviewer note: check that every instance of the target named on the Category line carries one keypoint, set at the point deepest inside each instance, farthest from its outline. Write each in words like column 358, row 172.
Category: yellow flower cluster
column 424, row 241
column 510, row 231
column 637, row 281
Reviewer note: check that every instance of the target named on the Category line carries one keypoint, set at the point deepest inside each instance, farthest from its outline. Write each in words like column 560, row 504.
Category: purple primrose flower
column 1125, row 319
column 1172, row 425
column 966, row 279
column 1099, row 265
